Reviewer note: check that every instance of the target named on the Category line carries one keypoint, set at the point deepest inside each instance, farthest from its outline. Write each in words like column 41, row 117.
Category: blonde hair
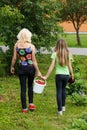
column 62, row 52
column 24, row 36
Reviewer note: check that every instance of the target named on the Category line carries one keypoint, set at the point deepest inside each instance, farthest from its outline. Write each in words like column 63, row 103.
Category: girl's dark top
column 25, row 60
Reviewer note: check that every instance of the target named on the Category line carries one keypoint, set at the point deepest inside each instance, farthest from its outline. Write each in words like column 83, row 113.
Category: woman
column 63, row 69
column 25, row 51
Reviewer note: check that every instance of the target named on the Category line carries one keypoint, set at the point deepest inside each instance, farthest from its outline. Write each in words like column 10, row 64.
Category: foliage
column 79, row 123
column 78, row 90
column 10, row 21
column 79, row 99
column 41, row 21
column 2, row 63
column 38, row 16
column 74, row 11
column 80, row 85
column 16, row 3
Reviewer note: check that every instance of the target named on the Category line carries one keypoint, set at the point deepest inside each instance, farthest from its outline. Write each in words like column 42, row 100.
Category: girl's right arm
column 49, row 70
column 13, row 60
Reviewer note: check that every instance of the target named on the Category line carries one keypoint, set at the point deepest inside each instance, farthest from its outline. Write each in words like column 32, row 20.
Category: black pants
column 26, row 77
column 61, row 81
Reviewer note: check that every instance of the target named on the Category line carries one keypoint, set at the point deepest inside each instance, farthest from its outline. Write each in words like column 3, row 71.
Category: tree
column 37, row 15
column 74, row 11
column 10, row 24
column 40, row 18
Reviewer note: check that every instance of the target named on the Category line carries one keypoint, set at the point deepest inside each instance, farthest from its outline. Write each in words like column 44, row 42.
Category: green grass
column 71, row 40
column 45, row 116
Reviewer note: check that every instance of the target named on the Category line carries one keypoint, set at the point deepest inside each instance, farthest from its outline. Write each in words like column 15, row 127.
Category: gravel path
column 78, row 51
column 4, row 48
column 74, row 51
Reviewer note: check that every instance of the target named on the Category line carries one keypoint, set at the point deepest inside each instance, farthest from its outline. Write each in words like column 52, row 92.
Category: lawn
column 45, row 116
column 71, row 40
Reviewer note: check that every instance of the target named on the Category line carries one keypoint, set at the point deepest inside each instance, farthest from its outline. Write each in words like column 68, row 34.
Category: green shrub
column 80, row 85
column 79, row 99
column 2, row 63
column 79, row 124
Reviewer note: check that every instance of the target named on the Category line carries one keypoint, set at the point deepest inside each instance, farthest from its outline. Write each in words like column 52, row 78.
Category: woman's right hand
column 39, row 74
column 12, row 70
column 44, row 77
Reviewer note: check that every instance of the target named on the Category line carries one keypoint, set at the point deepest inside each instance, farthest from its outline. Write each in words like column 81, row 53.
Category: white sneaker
column 63, row 109
column 60, row 112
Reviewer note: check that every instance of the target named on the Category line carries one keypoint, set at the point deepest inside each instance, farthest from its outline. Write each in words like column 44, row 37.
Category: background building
column 68, row 27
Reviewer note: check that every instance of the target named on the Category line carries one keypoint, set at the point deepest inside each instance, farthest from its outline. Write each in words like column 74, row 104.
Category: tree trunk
column 78, row 37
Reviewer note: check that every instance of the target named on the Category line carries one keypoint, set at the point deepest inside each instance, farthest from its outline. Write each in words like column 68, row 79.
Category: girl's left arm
column 51, row 67
column 70, row 69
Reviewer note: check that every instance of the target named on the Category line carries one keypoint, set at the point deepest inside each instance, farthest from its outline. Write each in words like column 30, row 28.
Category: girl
column 63, row 69
column 25, row 51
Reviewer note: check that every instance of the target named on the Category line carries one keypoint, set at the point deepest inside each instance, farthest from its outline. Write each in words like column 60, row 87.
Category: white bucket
column 38, row 88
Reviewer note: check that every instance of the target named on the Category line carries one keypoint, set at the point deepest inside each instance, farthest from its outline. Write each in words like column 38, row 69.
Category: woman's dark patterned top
column 25, row 56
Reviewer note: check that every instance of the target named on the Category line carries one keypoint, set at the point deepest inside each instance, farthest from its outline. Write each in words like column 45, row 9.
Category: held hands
column 40, row 75
column 44, row 77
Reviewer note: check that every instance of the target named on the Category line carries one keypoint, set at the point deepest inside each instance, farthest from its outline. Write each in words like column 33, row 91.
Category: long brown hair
column 62, row 52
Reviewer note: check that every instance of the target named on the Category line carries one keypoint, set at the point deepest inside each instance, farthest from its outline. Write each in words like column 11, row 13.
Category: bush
column 79, row 99
column 79, row 124
column 80, row 85
column 2, row 63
